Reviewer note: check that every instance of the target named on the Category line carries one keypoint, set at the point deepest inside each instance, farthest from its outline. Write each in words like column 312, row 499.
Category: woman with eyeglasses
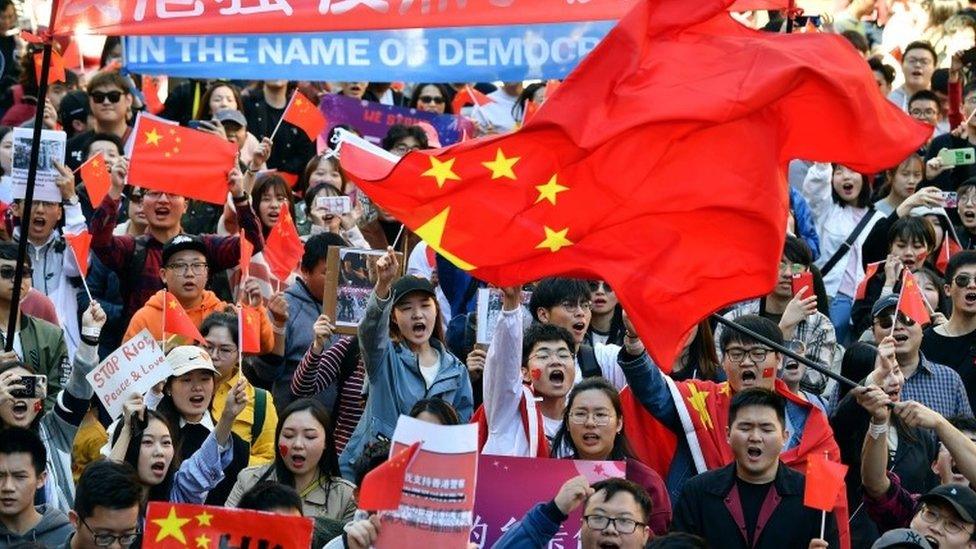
column 430, row 98
column 592, row 430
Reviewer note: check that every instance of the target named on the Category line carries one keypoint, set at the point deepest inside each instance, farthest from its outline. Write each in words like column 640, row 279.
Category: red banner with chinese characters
column 158, row 17
column 181, row 525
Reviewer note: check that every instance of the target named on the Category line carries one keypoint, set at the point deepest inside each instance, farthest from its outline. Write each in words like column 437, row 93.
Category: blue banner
column 460, row 54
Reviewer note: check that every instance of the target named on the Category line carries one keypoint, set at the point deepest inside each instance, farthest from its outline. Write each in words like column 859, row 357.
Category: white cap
column 187, row 358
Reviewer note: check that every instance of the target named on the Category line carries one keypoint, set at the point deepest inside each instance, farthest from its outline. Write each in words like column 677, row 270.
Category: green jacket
column 44, row 349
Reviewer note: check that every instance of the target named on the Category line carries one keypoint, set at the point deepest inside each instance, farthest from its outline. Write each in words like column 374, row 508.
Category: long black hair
column 161, row 491
column 167, row 408
column 329, row 462
column 621, row 449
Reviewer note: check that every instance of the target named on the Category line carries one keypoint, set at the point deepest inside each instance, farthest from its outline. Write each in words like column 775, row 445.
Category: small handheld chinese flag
column 178, row 160
column 912, row 302
column 183, row 525
column 80, row 244
column 950, row 247
column 250, row 326
column 176, row 321
column 247, row 252
column 94, row 172
column 283, row 248
column 151, row 92
column 383, row 486
column 825, row 480
column 303, row 114
column 862, row 288
column 468, row 96
column 55, row 73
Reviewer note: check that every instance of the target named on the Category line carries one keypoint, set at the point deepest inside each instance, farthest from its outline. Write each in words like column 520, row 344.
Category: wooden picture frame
column 350, row 278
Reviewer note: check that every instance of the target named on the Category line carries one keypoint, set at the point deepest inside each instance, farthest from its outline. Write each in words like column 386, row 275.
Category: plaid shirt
column 817, row 334
column 893, row 510
column 223, row 252
column 938, row 387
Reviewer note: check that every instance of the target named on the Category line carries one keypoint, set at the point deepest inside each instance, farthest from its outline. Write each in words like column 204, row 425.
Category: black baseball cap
column 410, row 283
column 74, row 106
column 886, row 302
column 183, row 242
column 959, row 496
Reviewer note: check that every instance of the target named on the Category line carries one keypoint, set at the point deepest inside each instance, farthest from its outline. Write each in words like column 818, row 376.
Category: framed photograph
column 489, row 309
column 350, row 278
column 51, row 149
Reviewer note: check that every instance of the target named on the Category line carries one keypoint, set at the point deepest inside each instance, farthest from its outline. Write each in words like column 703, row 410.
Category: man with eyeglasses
column 934, row 385
column 924, row 106
column 917, row 65
column 954, row 343
column 615, row 514
column 106, row 511
column 948, row 178
column 110, row 103
column 184, row 274
column 756, row 501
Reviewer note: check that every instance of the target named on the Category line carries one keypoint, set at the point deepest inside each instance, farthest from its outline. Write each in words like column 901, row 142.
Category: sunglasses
column 888, row 320
column 594, row 286
column 436, row 99
column 7, row 272
column 962, row 280
column 112, row 96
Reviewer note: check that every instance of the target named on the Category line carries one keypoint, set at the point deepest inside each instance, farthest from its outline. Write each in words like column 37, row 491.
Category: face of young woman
column 325, row 172
column 269, row 208
column 847, row 183
column 593, row 424
column 906, row 178
column 911, row 253
column 7, row 152
column 222, row 99
column 967, row 204
column 301, row 443
column 155, row 453
column 192, row 393
column 415, row 315
column 431, row 99
column 929, row 290
column 20, row 412
column 603, row 298
column 222, row 349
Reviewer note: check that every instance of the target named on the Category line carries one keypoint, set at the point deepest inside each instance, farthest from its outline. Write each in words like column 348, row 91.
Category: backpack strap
column 848, row 243
column 587, row 362
column 260, row 409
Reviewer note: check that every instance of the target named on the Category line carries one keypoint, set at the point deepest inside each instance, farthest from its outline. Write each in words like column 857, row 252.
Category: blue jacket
column 806, row 228
column 536, row 529
column 395, row 382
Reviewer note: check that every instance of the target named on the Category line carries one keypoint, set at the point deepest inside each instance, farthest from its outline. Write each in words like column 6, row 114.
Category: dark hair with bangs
column 863, row 198
column 552, row 291
column 912, row 228
column 270, row 183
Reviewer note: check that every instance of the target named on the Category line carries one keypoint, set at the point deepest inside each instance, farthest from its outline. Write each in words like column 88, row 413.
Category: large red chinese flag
column 80, row 245
column 283, row 248
column 302, row 113
column 183, row 525
column 95, row 175
column 176, row 321
column 250, row 329
column 825, row 480
column 911, row 301
column 383, row 486
column 658, row 165
column 178, row 160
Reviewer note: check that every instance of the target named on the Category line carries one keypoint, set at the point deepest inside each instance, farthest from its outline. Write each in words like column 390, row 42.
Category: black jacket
column 292, row 148
column 707, row 505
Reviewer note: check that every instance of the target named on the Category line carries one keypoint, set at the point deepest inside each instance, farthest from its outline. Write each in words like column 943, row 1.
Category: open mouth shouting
column 749, row 378
column 557, row 377
column 970, row 298
column 161, row 212
column 158, row 468
column 968, row 216
column 198, row 401
column 19, row 410
column 38, row 223
column 579, row 329
column 608, row 545
column 754, row 453
column 298, row 461
column 418, row 329
column 932, row 541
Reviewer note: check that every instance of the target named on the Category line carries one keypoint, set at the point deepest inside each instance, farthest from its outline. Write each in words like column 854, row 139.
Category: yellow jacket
column 262, row 448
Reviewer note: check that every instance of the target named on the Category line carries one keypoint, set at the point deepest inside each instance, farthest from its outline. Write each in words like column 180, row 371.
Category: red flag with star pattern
column 617, row 177
column 94, row 173
column 250, row 327
column 80, row 245
column 184, row 525
column 911, row 301
column 283, row 248
column 173, row 159
column 176, row 321
column 301, row 113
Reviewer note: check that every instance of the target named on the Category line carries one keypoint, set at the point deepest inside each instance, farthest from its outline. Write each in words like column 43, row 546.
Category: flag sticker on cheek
column 283, row 450
column 38, row 406
column 768, row 372
column 536, row 373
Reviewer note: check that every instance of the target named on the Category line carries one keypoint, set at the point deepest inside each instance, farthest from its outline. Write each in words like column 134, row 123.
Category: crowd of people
column 717, row 445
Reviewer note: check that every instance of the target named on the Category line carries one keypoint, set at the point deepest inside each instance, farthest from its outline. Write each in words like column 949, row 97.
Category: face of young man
column 185, row 275
column 163, row 210
column 315, row 279
column 44, row 217
column 575, row 317
column 750, row 365
column 8, row 268
column 627, row 514
column 551, row 369
column 918, row 66
column 924, row 110
column 104, row 522
column 18, row 484
column 756, row 436
column 109, row 104
column 962, row 291
column 942, row 526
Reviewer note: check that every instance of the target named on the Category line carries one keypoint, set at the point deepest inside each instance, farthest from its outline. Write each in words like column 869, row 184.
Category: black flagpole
column 31, row 176
column 789, row 17
column 783, row 350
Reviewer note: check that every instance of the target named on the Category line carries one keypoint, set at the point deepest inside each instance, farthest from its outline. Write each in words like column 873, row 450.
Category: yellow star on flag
column 697, row 400
column 203, row 519
column 555, row 240
column 550, row 190
column 172, row 305
column 153, row 137
column 432, row 233
column 441, row 171
column 203, row 541
column 171, row 526
column 501, row 166
column 96, row 163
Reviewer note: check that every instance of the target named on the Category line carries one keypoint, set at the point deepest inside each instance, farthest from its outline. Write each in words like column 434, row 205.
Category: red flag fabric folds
column 55, row 73
column 383, row 486
column 911, row 301
column 699, row 221
column 302, row 114
column 283, row 248
column 825, row 479
column 950, row 247
column 250, row 329
column 862, row 288
column 469, row 96
column 94, row 173
column 184, row 161
column 80, row 245
column 176, row 321
column 183, row 525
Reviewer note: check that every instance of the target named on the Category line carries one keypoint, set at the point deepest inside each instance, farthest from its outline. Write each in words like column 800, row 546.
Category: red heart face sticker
column 536, row 373
column 283, row 449
column 38, row 406
column 768, row 372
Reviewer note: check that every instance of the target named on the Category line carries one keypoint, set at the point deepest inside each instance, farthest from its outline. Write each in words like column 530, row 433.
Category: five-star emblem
column 153, row 137
column 550, row 190
column 171, row 526
column 501, row 166
column 555, row 240
column 441, row 171
column 204, row 518
column 203, row 542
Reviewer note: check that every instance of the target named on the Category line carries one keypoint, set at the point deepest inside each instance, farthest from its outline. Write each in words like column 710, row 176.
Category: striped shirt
column 318, row 371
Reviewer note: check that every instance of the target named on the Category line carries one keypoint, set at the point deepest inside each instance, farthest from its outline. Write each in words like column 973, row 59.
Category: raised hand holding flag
column 304, row 115
column 382, row 487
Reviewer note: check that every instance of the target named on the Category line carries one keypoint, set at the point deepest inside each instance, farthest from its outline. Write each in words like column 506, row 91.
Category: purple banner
column 497, row 506
column 373, row 120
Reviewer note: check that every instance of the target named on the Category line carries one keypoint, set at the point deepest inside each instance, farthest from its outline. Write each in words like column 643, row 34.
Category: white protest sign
column 134, row 367
column 52, row 149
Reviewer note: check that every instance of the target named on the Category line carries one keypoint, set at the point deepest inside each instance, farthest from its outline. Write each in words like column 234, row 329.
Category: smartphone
column 958, row 157
column 951, row 199
column 335, row 204
column 194, row 124
column 33, row 387
column 801, row 280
